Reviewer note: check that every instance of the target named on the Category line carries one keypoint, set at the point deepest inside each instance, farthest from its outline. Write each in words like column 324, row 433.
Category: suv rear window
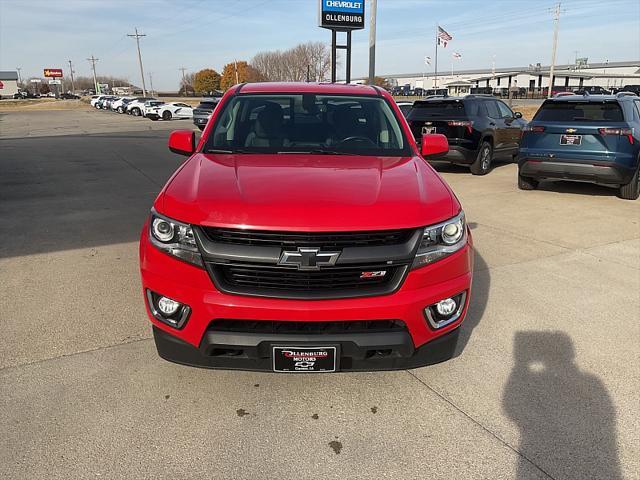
column 430, row 109
column 207, row 105
column 580, row 111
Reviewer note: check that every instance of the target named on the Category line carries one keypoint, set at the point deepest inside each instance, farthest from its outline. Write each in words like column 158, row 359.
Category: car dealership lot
column 545, row 385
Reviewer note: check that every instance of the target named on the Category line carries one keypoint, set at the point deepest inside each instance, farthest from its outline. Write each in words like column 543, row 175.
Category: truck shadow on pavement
column 566, row 418
column 477, row 302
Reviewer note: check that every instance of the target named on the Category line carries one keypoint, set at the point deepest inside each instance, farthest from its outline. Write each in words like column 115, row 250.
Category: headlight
column 439, row 241
column 174, row 238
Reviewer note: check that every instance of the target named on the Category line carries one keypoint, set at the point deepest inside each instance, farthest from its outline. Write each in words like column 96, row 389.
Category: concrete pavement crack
column 73, row 354
column 121, row 157
column 486, row 429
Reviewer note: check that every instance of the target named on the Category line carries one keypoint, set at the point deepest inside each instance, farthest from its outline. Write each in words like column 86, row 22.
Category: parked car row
column 585, row 138
column 154, row 109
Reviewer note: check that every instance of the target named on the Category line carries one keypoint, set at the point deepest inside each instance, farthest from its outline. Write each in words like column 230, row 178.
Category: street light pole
column 372, row 41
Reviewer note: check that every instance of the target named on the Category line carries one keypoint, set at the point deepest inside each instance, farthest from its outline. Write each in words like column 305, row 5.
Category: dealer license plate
column 304, row 359
column 570, row 139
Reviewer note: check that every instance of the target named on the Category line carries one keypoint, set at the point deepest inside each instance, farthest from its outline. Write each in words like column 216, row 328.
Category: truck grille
column 306, row 328
column 303, row 239
column 247, row 262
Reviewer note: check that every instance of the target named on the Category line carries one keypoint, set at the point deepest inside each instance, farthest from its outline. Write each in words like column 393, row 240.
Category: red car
column 306, row 233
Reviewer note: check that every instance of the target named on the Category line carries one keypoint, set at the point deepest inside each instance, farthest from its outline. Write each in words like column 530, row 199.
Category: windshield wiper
column 316, row 151
column 218, row 150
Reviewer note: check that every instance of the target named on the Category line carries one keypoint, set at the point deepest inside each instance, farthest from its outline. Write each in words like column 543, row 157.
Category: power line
column 93, row 61
column 137, row 36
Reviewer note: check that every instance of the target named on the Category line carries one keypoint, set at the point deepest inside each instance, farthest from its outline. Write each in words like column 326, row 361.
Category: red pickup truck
column 306, row 233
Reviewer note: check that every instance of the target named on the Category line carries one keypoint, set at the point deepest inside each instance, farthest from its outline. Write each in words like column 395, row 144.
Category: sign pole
column 348, row 56
column 334, row 53
column 341, row 17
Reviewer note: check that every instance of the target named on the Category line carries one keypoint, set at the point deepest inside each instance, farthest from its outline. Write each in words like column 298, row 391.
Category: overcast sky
column 35, row 34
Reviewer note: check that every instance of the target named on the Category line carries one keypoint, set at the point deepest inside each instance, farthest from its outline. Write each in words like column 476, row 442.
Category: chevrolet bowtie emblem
column 308, row 258
column 571, row 130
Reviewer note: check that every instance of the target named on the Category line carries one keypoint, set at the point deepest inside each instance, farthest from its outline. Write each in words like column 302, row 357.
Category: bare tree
column 307, row 61
column 187, row 83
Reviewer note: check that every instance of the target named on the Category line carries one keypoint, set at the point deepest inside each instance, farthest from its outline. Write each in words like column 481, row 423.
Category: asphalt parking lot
column 545, row 385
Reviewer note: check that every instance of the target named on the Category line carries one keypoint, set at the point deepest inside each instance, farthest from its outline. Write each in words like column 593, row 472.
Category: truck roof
column 318, row 88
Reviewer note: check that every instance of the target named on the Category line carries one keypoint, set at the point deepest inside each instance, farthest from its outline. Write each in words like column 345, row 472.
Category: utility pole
column 137, row 37
column 73, row 85
column 19, row 75
column 372, row 40
column 151, row 83
column 93, row 61
column 184, row 81
column 235, row 66
column 556, row 19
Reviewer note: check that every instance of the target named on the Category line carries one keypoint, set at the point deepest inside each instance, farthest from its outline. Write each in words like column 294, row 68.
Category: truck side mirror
column 434, row 145
column 182, row 142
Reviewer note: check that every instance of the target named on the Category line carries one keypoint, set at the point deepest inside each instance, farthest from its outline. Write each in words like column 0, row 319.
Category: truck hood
column 307, row 192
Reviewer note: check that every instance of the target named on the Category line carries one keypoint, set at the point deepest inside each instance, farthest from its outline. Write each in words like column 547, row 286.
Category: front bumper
column 356, row 350
column 608, row 173
column 195, row 343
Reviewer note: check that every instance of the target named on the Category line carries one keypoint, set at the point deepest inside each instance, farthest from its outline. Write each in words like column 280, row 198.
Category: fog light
column 167, row 310
column 446, row 307
column 168, row 307
column 446, row 311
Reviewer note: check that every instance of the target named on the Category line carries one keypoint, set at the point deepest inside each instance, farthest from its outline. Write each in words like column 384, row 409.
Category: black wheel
column 120, row 109
column 135, row 112
column 631, row 191
column 527, row 183
column 166, row 115
column 482, row 165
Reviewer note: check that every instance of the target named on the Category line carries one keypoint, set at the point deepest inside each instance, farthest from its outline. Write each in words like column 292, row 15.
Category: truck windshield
column 308, row 123
column 580, row 111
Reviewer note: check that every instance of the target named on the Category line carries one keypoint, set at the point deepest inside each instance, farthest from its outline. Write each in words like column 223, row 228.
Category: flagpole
column 435, row 81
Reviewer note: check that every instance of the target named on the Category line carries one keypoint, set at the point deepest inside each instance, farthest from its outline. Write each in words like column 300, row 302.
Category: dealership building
column 8, row 84
column 533, row 78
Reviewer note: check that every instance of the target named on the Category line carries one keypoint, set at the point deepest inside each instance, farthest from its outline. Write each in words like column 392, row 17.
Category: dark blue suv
column 587, row 138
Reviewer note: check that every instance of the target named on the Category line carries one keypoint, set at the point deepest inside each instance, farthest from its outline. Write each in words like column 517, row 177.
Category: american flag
column 443, row 37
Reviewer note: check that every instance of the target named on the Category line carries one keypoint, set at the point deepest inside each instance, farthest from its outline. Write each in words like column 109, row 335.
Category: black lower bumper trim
column 358, row 352
column 585, row 172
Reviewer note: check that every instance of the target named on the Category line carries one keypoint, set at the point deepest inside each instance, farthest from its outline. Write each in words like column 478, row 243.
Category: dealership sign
column 53, row 72
column 341, row 14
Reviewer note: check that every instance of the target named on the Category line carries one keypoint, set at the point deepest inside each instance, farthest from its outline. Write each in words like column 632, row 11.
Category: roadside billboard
column 341, row 14
column 53, row 72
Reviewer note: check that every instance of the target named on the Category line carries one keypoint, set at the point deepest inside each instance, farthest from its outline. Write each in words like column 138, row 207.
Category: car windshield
column 308, row 123
column 580, row 111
